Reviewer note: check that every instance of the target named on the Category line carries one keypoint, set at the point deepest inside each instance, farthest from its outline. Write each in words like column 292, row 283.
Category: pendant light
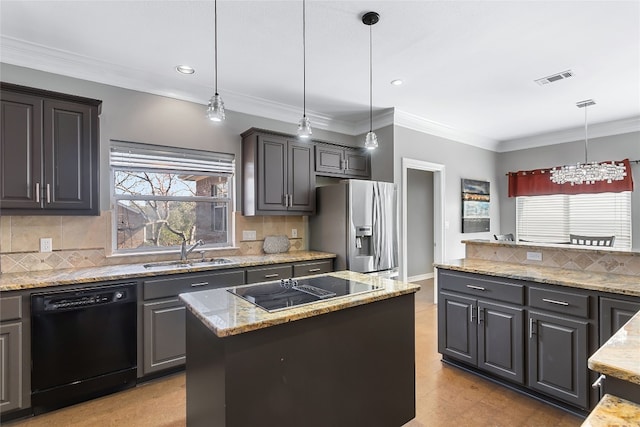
column 215, row 109
column 588, row 173
column 371, row 141
column 304, row 126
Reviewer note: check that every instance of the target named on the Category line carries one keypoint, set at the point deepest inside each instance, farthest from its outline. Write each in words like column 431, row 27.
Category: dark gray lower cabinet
column 558, row 353
column 164, row 339
column 163, row 315
column 482, row 333
column 614, row 313
column 10, row 366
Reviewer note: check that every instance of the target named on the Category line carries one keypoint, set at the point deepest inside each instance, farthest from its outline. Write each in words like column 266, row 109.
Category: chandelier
column 588, row 172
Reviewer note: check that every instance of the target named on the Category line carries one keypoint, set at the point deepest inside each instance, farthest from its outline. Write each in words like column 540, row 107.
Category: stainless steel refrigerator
column 356, row 220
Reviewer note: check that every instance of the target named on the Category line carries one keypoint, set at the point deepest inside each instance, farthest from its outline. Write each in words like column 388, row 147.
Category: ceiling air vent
column 554, row 77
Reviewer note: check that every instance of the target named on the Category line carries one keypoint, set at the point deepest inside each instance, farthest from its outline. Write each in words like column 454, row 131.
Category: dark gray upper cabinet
column 49, row 148
column 278, row 176
column 339, row 161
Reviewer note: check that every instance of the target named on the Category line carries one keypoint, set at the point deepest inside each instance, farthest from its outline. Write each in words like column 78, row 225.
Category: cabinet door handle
column 290, row 200
column 531, row 326
column 480, row 315
column 269, row 276
column 553, row 301
column 346, row 164
column 313, row 270
column 286, row 200
column 194, row 285
column 598, row 383
column 37, row 192
column 471, row 314
column 478, row 288
column 48, row 193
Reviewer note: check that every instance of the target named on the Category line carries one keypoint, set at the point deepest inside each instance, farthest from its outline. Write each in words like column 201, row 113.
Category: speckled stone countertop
column 226, row 314
column 603, row 282
column 619, row 357
column 613, row 411
column 75, row 276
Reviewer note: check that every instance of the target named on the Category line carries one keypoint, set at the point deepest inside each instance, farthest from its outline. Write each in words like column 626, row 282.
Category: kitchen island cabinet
column 342, row 362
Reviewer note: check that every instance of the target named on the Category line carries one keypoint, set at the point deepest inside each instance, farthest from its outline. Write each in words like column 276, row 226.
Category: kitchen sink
column 190, row 263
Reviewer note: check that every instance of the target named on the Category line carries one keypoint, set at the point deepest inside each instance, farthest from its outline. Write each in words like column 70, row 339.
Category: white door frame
column 438, row 213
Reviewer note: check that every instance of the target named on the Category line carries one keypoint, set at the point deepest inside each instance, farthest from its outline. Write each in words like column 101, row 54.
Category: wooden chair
column 504, row 237
column 576, row 239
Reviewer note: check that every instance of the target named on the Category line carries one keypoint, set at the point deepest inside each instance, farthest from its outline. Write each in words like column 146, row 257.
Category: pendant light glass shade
column 371, row 140
column 304, row 125
column 215, row 109
column 588, row 172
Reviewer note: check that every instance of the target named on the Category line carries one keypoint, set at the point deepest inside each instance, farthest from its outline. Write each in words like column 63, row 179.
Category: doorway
column 438, row 175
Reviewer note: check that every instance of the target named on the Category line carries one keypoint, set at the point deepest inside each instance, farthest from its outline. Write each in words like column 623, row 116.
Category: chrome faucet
column 184, row 252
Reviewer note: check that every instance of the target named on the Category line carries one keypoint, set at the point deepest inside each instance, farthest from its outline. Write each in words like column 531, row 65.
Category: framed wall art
column 475, row 206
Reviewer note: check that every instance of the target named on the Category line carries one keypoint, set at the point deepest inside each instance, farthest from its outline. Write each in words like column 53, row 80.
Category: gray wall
column 616, row 147
column 460, row 161
column 382, row 157
column 419, row 222
column 141, row 117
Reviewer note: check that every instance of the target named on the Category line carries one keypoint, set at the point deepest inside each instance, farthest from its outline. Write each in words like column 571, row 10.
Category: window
column 552, row 218
column 164, row 196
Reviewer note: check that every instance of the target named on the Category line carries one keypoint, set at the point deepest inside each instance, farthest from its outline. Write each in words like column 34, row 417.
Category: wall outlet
column 534, row 256
column 294, row 233
column 46, row 244
column 249, row 235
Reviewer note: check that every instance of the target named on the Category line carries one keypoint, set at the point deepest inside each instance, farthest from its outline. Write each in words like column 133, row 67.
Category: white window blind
column 131, row 156
column 550, row 219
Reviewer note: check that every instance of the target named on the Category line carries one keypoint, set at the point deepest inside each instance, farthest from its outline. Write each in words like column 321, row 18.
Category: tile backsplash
column 85, row 241
column 594, row 260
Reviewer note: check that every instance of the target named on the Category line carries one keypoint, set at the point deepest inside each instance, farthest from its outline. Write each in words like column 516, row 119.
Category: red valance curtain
column 538, row 183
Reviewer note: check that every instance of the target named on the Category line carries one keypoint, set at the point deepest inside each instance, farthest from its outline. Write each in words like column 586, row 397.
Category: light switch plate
column 534, row 256
column 46, row 244
column 248, row 234
column 294, row 233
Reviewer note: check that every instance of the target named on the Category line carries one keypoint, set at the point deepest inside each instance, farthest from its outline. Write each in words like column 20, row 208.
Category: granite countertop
column 618, row 357
column 226, row 314
column 75, row 276
column 603, row 282
column 613, row 411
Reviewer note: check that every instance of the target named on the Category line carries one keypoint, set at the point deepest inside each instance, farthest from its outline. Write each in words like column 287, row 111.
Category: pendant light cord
column 586, row 137
column 370, row 81
column 215, row 37
column 304, row 60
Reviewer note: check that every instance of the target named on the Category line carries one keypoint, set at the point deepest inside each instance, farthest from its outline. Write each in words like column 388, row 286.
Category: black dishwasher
column 83, row 344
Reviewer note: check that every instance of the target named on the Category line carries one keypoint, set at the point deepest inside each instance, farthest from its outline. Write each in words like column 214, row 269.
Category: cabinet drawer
column 10, row 308
column 571, row 303
column 172, row 286
column 266, row 274
column 317, row 267
column 486, row 288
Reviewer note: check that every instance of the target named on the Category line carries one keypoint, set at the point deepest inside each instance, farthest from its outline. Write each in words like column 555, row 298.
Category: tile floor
column 445, row 396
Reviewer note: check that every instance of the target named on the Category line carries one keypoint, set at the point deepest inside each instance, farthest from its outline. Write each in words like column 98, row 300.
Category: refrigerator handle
column 377, row 230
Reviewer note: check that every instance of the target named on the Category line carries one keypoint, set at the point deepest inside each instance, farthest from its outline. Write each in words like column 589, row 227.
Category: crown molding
column 596, row 130
column 421, row 124
column 26, row 54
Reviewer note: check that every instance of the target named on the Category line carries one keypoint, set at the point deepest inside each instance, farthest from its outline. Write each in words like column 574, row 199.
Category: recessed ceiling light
column 185, row 69
column 396, row 82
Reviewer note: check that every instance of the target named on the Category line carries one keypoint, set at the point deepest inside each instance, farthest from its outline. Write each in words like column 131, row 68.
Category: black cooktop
column 289, row 293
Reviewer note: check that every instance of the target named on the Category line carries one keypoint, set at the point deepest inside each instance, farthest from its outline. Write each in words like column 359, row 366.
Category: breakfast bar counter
column 343, row 361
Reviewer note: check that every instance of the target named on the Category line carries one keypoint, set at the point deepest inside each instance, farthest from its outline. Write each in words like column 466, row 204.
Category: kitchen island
column 341, row 361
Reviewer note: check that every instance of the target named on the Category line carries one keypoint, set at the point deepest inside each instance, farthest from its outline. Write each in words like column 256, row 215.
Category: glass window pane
column 159, row 224
column 141, row 183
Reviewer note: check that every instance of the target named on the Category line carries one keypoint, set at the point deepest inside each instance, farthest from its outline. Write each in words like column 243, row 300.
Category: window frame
column 229, row 201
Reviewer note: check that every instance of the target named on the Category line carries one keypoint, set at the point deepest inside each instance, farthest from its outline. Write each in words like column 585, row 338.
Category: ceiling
column 468, row 66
